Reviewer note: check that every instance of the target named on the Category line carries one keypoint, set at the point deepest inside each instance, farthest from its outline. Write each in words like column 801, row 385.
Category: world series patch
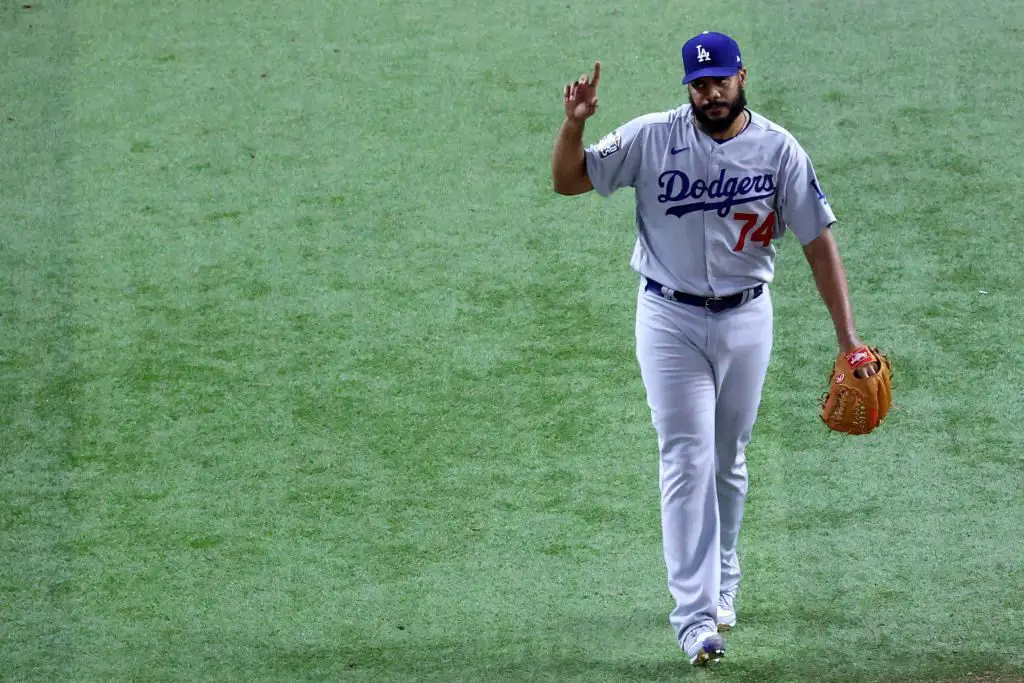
column 609, row 144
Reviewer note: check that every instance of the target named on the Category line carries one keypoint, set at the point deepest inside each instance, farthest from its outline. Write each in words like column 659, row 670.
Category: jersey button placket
column 709, row 221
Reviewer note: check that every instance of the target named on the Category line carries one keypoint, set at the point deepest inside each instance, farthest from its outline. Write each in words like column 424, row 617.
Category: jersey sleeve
column 803, row 208
column 613, row 161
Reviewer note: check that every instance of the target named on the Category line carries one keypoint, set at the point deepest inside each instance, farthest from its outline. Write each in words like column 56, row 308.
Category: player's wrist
column 576, row 125
column 849, row 341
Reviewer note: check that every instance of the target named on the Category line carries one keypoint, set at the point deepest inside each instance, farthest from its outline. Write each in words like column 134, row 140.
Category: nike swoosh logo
column 677, row 151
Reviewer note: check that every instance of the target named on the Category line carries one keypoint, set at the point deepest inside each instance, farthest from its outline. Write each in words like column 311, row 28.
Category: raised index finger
column 597, row 74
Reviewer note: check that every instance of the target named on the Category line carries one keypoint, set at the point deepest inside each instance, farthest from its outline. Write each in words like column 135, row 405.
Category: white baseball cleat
column 704, row 646
column 726, row 611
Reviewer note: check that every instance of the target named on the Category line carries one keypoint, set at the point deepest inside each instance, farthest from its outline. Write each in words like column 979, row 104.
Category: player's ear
column 742, row 73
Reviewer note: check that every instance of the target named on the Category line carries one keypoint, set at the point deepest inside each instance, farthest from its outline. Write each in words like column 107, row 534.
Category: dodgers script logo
column 729, row 192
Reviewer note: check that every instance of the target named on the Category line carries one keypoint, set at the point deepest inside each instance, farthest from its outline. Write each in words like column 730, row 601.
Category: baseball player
column 716, row 184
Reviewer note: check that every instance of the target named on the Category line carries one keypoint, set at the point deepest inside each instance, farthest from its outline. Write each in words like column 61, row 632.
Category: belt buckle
column 709, row 302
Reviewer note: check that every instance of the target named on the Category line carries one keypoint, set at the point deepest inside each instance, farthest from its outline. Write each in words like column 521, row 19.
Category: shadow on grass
column 424, row 662
column 830, row 666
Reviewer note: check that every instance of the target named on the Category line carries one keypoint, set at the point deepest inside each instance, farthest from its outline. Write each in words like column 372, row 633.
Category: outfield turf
column 306, row 374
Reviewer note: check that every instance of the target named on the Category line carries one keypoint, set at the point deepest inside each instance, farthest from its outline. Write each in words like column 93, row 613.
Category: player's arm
column 830, row 277
column 805, row 209
column 568, row 162
column 613, row 162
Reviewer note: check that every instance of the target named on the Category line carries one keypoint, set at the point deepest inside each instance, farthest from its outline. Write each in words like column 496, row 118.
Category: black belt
column 715, row 304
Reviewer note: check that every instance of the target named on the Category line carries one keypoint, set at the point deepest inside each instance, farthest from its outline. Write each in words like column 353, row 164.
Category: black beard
column 721, row 125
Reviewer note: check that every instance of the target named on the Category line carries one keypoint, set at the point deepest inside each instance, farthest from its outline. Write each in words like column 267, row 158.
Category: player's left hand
column 857, row 404
column 865, row 370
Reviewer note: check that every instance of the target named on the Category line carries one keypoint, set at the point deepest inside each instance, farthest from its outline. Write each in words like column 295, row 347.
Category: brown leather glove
column 856, row 405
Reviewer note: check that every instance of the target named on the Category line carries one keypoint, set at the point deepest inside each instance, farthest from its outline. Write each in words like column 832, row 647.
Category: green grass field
column 306, row 374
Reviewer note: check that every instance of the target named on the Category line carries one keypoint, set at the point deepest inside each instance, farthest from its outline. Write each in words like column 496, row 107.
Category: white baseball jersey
column 707, row 212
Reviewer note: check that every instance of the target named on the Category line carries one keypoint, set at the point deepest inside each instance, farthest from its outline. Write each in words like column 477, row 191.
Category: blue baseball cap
column 710, row 54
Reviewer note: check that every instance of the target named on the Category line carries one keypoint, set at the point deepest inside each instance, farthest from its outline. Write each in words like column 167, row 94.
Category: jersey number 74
column 761, row 235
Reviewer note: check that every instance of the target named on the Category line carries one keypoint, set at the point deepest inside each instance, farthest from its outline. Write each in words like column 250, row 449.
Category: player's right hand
column 581, row 97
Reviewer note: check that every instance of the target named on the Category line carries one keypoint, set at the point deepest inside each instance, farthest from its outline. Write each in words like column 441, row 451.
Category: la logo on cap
column 702, row 54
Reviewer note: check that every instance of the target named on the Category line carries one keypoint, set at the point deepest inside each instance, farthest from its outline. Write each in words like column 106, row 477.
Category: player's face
column 717, row 102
